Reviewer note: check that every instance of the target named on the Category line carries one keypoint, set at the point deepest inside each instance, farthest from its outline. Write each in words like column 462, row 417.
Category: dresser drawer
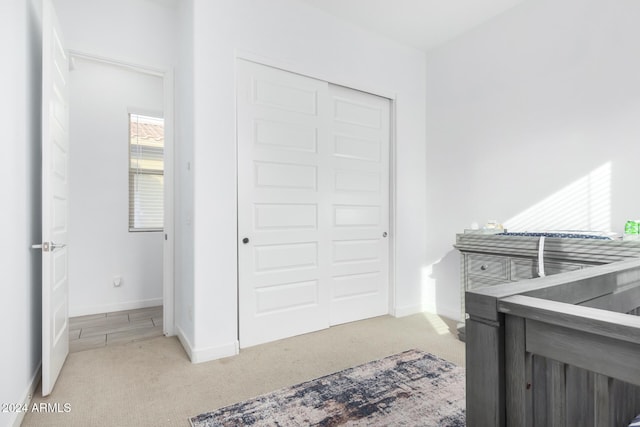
column 528, row 268
column 551, row 267
column 523, row 269
column 475, row 282
column 493, row 267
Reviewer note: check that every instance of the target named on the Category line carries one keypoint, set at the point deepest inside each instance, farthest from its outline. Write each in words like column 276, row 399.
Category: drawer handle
column 484, row 267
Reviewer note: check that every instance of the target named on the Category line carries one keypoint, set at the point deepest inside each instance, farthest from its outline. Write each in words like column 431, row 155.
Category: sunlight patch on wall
column 428, row 289
column 582, row 205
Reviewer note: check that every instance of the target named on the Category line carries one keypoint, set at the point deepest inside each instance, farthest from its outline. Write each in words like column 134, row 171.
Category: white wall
column 100, row 244
column 184, row 289
column 20, row 305
column 136, row 31
column 532, row 119
column 305, row 40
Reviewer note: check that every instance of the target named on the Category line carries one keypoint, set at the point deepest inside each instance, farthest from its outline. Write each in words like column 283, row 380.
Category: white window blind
column 146, row 173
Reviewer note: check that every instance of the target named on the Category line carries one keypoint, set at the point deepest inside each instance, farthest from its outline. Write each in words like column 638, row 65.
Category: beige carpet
column 152, row 383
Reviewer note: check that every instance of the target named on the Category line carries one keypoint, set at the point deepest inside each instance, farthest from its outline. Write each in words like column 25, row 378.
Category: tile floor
column 99, row 330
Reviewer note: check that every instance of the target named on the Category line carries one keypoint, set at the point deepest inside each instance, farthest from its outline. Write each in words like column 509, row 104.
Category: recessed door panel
column 60, row 322
column 285, row 136
column 355, row 285
column 59, row 214
column 357, row 149
column 286, row 175
column 285, row 216
column 357, row 216
column 59, row 265
column 285, row 94
column 347, row 110
column 357, row 181
column 286, row 297
column 59, row 159
column 286, row 257
column 350, row 251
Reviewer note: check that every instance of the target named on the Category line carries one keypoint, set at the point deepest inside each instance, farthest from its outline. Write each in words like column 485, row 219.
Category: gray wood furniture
column 489, row 260
column 562, row 350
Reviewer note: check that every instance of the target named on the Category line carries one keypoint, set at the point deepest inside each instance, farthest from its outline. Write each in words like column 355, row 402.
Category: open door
column 55, row 200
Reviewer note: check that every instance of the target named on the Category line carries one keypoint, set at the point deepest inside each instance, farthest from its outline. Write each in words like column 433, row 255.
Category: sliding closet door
column 282, row 225
column 313, row 204
column 359, row 200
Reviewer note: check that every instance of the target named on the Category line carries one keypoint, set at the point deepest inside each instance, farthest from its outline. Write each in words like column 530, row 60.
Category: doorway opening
column 121, row 202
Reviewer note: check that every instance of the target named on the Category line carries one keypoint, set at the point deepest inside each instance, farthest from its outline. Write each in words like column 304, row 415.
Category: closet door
column 313, row 204
column 283, row 248
column 359, row 202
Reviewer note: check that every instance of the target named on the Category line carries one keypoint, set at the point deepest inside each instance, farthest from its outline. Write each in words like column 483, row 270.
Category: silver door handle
column 48, row 246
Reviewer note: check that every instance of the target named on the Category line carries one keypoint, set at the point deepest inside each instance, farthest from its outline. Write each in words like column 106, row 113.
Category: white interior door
column 55, row 191
column 281, row 261
column 359, row 200
column 313, row 204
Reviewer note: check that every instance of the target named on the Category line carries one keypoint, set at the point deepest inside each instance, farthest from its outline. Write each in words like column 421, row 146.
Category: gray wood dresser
column 488, row 259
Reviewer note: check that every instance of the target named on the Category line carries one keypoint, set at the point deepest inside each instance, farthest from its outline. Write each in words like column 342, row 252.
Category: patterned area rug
column 413, row 388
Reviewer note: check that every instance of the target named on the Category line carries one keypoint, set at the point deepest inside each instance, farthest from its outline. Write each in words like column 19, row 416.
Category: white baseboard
column 186, row 344
column 449, row 313
column 207, row 354
column 109, row 308
column 27, row 396
column 453, row 314
column 407, row 310
column 199, row 355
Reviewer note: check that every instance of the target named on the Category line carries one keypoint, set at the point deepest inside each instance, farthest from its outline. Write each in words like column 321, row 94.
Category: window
column 146, row 173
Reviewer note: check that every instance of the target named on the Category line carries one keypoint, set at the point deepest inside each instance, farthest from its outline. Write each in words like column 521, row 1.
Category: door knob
column 245, row 240
column 384, row 234
column 48, row 246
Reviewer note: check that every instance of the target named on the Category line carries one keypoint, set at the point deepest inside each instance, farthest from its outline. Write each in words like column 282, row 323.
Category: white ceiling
column 423, row 24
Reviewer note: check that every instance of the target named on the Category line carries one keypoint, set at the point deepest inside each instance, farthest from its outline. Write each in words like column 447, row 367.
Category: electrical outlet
column 117, row 281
